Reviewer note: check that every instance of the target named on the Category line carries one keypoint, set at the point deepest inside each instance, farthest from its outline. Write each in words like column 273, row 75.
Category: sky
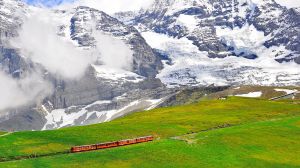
column 47, row 3
column 108, row 6
column 128, row 4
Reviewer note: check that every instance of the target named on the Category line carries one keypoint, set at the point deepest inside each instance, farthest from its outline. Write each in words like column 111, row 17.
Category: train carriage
column 101, row 146
column 132, row 141
column 106, row 145
column 83, row 148
column 122, row 143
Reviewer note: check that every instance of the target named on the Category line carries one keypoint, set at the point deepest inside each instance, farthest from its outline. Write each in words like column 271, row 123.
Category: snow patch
column 251, row 94
column 61, row 118
column 287, row 91
column 188, row 21
column 116, row 75
column 244, row 40
column 289, row 3
column 115, row 112
column 154, row 103
column 179, row 5
column 81, row 115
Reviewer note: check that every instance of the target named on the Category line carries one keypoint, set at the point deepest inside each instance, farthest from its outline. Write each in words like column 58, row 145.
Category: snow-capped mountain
column 78, row 65
column 119, row 78
column 195, row 19
column 223, row 42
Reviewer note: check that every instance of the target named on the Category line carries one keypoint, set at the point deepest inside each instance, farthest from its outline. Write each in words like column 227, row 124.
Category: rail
column 284, row 96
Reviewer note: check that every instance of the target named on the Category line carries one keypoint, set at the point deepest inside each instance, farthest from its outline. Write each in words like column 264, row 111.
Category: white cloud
column 38, row 41
column 112, row 6
column 19, row 92
column 289, row 3
column 113, row 52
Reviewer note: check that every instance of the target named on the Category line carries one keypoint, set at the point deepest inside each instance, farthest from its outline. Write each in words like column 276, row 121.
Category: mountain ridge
column 140, row 58
column 99, row 83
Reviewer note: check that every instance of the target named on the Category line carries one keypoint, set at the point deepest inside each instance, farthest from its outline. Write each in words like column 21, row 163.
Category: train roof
column 150, row 136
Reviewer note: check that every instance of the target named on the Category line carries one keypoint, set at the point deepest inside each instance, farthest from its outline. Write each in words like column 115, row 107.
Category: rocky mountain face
column 174, row 43
column 101, row 90
column 197, row 20
column 236, row 40
column 145, row 62
column 11, row 62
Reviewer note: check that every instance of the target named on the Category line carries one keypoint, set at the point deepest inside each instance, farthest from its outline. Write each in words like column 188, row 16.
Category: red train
column 85, row 148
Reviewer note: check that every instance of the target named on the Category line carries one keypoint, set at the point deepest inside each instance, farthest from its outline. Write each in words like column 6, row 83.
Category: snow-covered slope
column 186, row 65
column 89, row 114
column 223, row 42
column 85, row 55
column 100, row 68
column 289, row 3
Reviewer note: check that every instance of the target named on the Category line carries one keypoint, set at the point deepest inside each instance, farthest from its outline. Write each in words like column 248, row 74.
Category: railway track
column 84, row 148
column 6, row 134
column 285, row 96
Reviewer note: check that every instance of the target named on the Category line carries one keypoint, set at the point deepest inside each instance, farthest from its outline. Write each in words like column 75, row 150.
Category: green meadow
column 236, row 132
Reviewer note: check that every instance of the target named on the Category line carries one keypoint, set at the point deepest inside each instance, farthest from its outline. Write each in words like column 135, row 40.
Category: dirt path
column 189, row 138
column 6, row 134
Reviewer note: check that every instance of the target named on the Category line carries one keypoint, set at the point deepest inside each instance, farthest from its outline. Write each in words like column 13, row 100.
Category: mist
column 113, row 52
column 39, row 42
column 19, row 92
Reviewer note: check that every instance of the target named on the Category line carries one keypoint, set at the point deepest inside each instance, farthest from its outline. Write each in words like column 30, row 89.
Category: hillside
column 241, row 146
column 86, row 63
column 149, row 83
column 209, row 118
column 266, row 92
column 194, row 94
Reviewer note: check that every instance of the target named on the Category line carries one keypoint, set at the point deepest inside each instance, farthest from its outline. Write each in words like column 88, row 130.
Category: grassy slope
column 263, row 144
column 267, row 91
column 162, row 123
column 2, row 134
